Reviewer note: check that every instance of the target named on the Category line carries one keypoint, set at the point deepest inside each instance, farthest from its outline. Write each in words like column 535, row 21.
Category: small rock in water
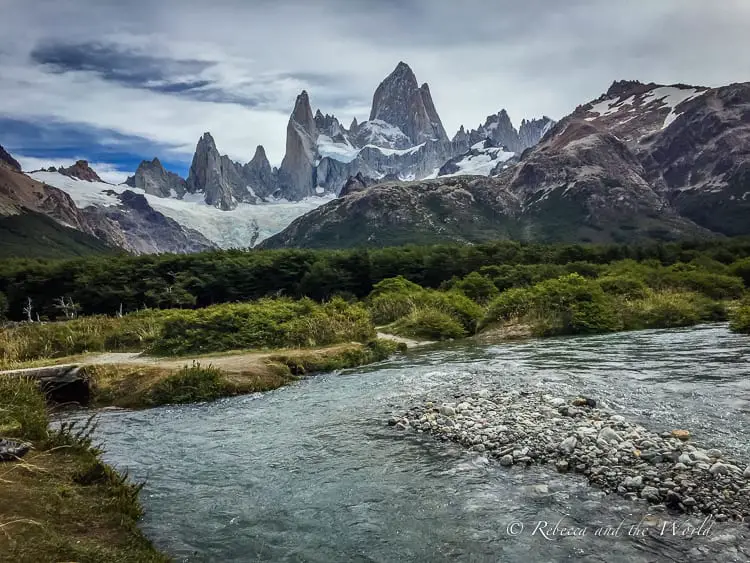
column 746, row 474
column 561, row 465
column 683, row 435
column 568, row 445
column 506, row 460
column 714, row 453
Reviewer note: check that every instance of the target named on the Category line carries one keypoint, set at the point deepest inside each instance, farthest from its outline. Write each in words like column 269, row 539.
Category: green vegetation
column 149, row 385
column 60, row 502
column 267, row 323
column 107, row 285
column 740, row 318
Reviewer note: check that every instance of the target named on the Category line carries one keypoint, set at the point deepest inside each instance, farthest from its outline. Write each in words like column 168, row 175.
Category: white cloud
column 533, row 58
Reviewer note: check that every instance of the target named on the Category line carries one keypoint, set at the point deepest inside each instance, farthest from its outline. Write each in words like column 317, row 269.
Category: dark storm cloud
column 113, row 63
column 171, row 69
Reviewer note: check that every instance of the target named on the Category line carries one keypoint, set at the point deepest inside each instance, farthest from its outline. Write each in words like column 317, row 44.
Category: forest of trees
column 112, row 285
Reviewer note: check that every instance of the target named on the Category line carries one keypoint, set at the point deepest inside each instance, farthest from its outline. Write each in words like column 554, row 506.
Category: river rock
column 683, row 435
column 714, row 453
column 719, row 468
column 609, row 435
column 11, row 450
column 517, row 426
column 632, row 483
column 568, row 445
column 448, row 409
column 651, row 494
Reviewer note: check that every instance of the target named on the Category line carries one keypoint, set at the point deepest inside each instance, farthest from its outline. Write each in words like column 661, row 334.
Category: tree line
column 113, row 285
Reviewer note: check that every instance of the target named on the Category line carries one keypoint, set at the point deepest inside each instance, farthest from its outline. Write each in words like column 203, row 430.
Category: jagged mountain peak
column 82, row 171
column 260, row 154
column 401, row 102
column 6, row 158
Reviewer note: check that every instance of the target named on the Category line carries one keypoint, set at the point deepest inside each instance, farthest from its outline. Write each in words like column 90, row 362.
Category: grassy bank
column 61, row 502
column 260, row 325
column 142, row 386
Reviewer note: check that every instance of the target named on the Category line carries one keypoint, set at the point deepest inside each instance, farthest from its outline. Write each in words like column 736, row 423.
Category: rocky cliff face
column 8, row 160
column 642, row 162
column 135, row 226
column 400, row 101
column 152, row 178
column 500, row 130
column 296, row 174
column 693, row 143
column 82, row 171
column 217, row 177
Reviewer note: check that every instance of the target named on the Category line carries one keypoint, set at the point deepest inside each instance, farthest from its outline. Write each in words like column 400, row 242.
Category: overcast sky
column 119, row 81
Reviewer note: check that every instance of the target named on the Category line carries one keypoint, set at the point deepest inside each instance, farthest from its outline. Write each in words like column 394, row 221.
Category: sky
column 115, row 82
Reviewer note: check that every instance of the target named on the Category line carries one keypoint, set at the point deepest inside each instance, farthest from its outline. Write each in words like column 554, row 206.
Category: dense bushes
column 191, row 384
column 670, row 310
column 267, row 323
column 570, row 304
column 740, row 318
column 447, row 314
column 102, row 285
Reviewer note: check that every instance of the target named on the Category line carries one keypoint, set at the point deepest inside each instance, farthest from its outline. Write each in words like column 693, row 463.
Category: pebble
column 569, row 444
column 524, row 427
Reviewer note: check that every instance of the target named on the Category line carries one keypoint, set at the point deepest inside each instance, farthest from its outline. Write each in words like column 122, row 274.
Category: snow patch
column 481, row 164
column 226, row 229
column 608, row 107
column 342, row 152
column 672, row 96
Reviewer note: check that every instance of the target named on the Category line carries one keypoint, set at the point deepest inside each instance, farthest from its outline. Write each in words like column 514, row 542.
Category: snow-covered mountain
column 242, row 227
column 403, row 139
column 225, row 204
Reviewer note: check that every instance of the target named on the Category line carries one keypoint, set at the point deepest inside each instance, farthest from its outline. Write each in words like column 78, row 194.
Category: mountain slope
column 641, row 162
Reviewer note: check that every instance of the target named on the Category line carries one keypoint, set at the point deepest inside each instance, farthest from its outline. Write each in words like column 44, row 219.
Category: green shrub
column 667, row 309
column 399, row 284
column 267, row 323
column 191, row 384
column 477, row 287
column 510, row 304
column 397, row 298
column 428, row 324
column 627, row 286
column 30, row 341
column 740, row 320
column 741, row 269
column 570, row 304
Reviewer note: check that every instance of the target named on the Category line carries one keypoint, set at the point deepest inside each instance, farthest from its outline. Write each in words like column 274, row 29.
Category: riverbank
column 132, row 380
column 60, row 502
column 525, row 427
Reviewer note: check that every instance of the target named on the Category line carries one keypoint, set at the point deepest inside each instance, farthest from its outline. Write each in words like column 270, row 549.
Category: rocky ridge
column 152, row 178
column 519, row 427
column 404, row 139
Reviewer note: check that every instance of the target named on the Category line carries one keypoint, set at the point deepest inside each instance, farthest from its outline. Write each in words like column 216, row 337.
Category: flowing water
column 311, row 472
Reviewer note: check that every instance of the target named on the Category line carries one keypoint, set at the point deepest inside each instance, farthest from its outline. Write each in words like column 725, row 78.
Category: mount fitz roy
column 640, row 162
column 404, row 139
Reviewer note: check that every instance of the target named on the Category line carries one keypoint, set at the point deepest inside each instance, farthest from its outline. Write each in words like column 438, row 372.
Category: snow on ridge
column 672, row 96
column 481, row 164
column 343, row 152
column 226, row 229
